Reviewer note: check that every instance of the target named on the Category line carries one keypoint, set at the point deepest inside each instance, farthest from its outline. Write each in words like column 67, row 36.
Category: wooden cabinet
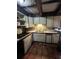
column 20, row 21
column 43, row 20
column 39, row 37
column 27, row 43
column 50, row 22
column 57, row 21
column 36, row 20
column 26, row 21
column 39, row 20
column 49, row 38
column 55, row 38
column 30, row 21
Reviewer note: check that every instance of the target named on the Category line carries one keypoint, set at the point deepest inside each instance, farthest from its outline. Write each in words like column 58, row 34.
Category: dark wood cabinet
column 20, row 49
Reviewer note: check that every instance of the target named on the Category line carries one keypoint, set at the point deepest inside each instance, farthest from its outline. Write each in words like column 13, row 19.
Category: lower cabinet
column 39, row 37
column 54, row 38
column 27, row 43
column 49, row 38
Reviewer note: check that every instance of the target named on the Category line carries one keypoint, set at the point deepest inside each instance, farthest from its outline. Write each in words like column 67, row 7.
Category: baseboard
column 45, row 42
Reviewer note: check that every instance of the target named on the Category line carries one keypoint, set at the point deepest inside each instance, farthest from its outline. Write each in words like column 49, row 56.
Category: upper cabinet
column 20, row 19
column 30, row 21
column 43, row 20
column 50, row 22
column 57, row 21
column 26, row 21
column 36, row 20
column 27, row 43
column 39, row 20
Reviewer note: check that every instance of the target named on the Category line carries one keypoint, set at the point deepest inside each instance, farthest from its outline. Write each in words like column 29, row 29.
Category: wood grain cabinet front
column 55, row 38
column 27, row 43
column 39, row 37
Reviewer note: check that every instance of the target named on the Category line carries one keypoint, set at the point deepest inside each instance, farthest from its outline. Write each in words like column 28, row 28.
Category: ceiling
column 40, row 7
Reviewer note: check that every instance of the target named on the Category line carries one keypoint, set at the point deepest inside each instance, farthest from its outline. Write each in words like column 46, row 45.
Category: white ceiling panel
column 26, row 2
column 49, row 7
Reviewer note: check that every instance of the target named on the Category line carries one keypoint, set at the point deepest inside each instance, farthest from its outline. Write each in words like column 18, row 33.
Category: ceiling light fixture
column 20, row 1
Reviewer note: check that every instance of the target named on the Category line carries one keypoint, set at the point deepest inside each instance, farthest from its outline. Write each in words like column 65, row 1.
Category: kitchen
column 39, row 29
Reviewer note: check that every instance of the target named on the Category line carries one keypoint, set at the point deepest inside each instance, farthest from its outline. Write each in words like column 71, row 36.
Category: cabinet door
column 36, row 20
column 39, row 37
column 27, row 43
column 26, row 21
column 30, row 21
column 24, row 18
column 30, row 40
column 50, row 22
column 48, row 39
column 42, row 20
column 57, row 21
column 35, row 37
column 56, row 38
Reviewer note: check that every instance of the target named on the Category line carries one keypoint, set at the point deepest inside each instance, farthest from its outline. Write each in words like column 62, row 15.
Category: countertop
column 34, row 31
column 47, row 31
column 18, row 39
